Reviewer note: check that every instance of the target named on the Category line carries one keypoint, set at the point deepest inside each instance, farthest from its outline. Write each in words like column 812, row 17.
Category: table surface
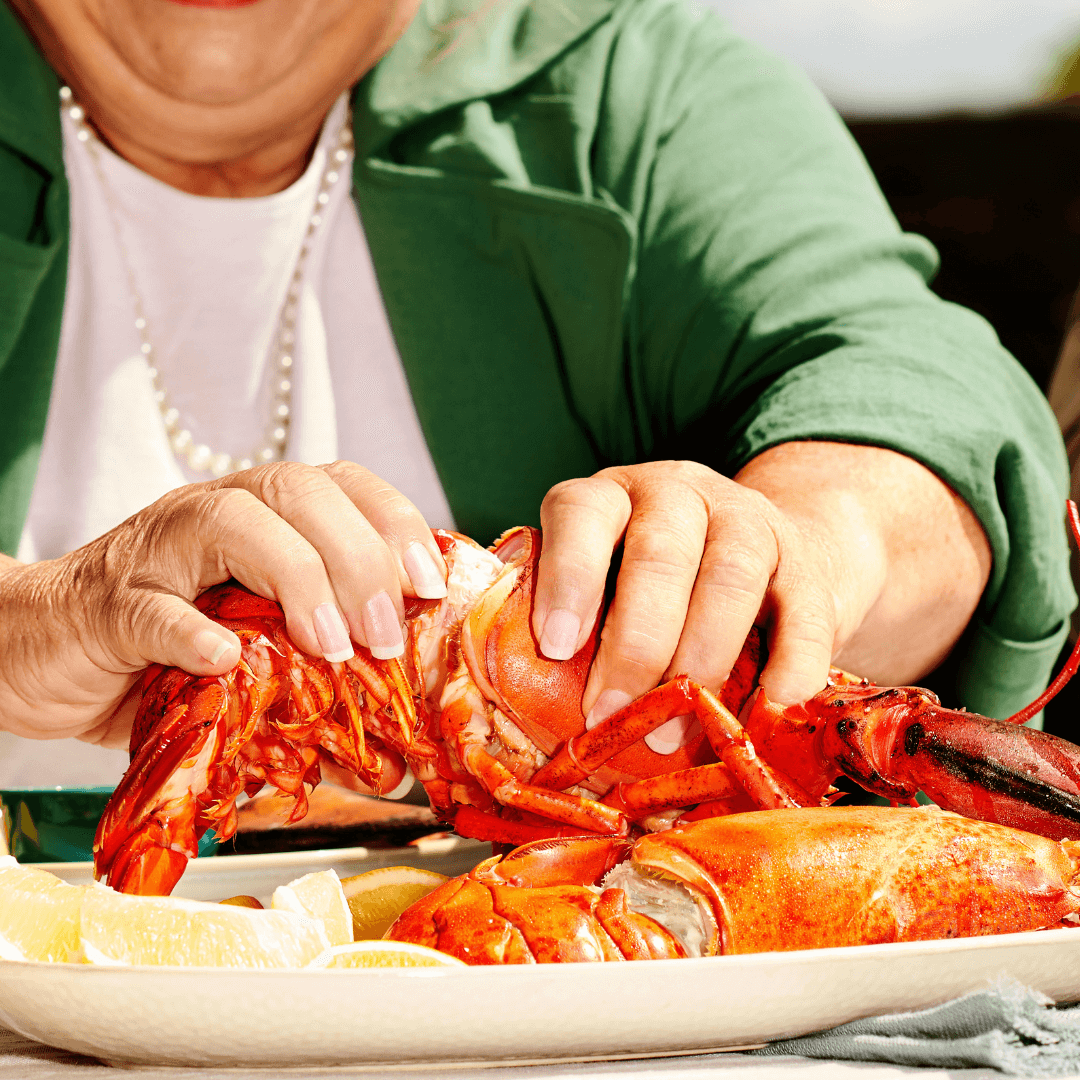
column 27, row 1060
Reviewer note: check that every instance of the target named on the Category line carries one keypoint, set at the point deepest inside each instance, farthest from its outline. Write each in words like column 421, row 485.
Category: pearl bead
column 331, row 177
column 76, row 113
column 146, row 348
column 284, row 387
column 280, row 436
column 199, row 457
column 316, row 221
column 221, row 464
column 243, row 463
column 340, row 155
column 266, row 454
column 83, row 135
column 65, row 93
column 285, row 362
column 159, row 396
column 323, row 198
column 287, row 338
column 140, row 323
column 171, row 418
column 152, row 372
column 282, row 412
column 181, row 440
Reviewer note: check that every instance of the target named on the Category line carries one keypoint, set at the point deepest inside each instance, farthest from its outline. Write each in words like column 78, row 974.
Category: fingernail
column 608, row 703
column 381, row 627
column 423, row 573
column 673, row 735
column 332, row 634
column 211, row 646
column 558, row 640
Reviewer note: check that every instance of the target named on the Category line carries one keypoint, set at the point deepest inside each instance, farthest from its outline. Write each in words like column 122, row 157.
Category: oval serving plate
column 511, row 1015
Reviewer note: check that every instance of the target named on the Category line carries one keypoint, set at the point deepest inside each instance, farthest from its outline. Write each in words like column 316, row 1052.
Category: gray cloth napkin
column 1008, row 1026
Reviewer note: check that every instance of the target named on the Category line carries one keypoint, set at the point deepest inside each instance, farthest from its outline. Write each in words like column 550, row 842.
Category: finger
column 582, row 522
column 361, row 573
column 162, row 628
column 802, row 635
column 738, row 562
column 661, row 554
column 420, row 565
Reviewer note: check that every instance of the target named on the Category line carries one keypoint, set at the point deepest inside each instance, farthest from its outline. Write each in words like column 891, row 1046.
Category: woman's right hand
column 335, row 546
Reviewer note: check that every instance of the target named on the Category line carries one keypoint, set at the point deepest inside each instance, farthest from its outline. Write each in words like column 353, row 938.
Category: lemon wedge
column 378, row 897
column 383, row 954
column 119, row 929
column 39, row 914
column 317, row 896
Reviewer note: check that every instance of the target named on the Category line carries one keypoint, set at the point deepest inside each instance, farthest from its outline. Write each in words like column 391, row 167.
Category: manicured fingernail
column 609, row 702
column 381, row 627
column 332, row 634
column 423, row 573
column 211, row 646
column 558, row 641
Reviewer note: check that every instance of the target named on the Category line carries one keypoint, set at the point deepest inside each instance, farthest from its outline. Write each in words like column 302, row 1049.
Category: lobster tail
column 152, row 825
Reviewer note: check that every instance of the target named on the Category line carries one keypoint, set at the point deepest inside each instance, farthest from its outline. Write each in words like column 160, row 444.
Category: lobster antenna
column 1072, row 516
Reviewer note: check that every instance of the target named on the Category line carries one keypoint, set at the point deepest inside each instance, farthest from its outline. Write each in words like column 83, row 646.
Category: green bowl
column 57, row 824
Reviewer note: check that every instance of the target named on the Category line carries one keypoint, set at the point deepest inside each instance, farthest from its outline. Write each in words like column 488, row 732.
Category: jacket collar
column 460, row 50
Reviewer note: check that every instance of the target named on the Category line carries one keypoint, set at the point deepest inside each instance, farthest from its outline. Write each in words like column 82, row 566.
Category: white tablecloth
column 21, row 1059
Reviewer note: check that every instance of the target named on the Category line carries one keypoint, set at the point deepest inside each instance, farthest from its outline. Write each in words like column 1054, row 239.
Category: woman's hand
column 851, row 553
column 335, row 546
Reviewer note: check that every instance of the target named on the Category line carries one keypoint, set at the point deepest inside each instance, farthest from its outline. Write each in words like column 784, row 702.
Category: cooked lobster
column 756, row 882
column 495, row 733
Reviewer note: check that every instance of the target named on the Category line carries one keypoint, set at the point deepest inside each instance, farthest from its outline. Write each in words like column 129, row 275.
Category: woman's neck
column 222, row 102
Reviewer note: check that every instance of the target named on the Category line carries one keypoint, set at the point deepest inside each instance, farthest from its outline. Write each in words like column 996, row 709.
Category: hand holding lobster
column 851, row 553
column 76, row 631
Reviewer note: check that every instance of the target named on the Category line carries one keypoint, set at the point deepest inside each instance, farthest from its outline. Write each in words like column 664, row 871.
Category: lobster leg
column 582, row 813
column 585, row 753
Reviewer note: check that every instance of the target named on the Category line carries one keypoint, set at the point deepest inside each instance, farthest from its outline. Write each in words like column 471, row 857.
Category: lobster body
column 760, row 882
column 495, row 733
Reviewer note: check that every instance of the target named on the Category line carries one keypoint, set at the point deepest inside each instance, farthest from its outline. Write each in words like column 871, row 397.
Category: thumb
column 166, row 629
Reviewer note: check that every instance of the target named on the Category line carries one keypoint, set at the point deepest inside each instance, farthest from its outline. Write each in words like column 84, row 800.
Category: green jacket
column 611, row 231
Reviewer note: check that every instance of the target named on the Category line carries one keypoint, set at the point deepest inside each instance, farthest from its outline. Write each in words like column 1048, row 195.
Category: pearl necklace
column 199, row 457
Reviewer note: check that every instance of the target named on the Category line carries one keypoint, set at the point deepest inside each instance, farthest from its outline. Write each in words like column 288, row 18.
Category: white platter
column 258, row 875
column 223, row 1017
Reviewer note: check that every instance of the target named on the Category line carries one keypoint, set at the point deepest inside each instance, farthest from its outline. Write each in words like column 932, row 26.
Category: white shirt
column 212, row 275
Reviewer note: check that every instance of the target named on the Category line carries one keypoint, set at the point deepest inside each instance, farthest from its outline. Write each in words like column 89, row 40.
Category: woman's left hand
column 848, row 553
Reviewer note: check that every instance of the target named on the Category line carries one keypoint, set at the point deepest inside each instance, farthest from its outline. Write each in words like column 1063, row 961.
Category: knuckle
column 288, row 481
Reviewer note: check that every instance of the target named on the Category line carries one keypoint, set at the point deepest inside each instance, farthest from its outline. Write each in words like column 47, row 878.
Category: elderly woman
column 596, row 265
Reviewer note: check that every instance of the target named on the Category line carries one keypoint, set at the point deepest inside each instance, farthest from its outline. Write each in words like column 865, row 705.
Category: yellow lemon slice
column 318, row 896
column 120, row 929
column 383, row 954
column 39, row 914
column 378, row 897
